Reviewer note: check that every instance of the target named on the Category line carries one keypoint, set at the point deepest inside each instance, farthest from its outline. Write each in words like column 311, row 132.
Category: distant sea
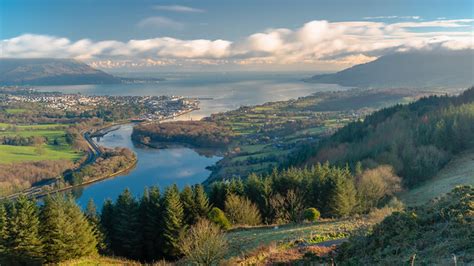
column 228, row 90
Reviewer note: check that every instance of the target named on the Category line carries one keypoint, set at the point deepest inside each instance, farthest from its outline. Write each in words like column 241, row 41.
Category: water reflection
column 161, row 167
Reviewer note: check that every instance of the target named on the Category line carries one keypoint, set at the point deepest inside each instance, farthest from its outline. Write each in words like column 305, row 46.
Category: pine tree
column 126, row 235
column 67, row 232
column 153, row 226
column 94, row 220
column 107, row 225
column 343, row 196
column 84, row 242
column 24, row 242
column 201, row 203
column 186, row 197
column 56, row 229
column 3, row 230
column 173, row 216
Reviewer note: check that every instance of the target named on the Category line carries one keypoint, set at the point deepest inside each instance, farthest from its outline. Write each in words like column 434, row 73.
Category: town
column 153, row 107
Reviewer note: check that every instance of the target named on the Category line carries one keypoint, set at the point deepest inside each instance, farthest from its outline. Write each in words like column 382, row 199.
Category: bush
column 217, row 216
column 204, row 244
column 311, row 214
column 241, row 211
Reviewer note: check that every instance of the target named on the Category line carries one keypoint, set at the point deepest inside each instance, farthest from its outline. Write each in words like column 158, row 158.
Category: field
column 273, row 133
column 47, row 151
column 243, row 241
column 459, row 171
column 100, row 260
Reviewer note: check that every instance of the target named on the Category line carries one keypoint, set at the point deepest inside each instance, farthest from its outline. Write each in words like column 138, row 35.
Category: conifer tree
column 173, row 216
column 24, row 243
column 126, row 235
column 84, row 242
column 343, row 196
column 201, row 203
column 186, row 197
column 67, row 232
column 152, row 224
column 3, row 230
column 56, row 229
column 106, row 223
column 94, row 220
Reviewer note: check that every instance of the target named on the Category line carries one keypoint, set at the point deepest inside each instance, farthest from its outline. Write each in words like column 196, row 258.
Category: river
column 181, row 165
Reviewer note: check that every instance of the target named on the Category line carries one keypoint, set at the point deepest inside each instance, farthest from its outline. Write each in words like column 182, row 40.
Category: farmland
column 271, row 134
column 54, row 148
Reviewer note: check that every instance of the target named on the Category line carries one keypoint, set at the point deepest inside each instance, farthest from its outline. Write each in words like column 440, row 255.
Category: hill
column 48, row 71
column 409, row 69
column 417, row 139
column 460, row 171
column 438, row 233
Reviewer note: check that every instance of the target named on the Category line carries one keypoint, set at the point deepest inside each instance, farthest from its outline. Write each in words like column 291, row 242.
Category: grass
column 242, row 241
column 15, row 110
column 459, row 171
column 12, row 154
column 100, row 260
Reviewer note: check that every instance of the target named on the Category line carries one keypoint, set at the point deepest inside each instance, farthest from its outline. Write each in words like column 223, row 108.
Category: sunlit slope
column 459, row 171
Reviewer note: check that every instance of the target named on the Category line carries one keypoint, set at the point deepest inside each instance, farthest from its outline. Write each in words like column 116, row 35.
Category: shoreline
column 90, row 181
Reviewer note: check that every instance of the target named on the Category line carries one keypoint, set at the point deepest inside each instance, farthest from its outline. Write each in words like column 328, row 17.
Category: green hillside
column 460, row 171
column 438, row 233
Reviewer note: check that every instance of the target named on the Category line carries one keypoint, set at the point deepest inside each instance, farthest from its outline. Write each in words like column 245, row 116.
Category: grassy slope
column 98, row 261
column 245, row 240
column 459, row 171
column 9, row 154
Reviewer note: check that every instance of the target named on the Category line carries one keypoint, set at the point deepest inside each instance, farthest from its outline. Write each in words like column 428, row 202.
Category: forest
column 416, row 139
column 153, row 227
column 195, row 133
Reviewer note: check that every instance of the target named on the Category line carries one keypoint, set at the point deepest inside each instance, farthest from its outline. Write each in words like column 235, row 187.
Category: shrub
column 217, row 216
column 204, row 244
column 311, row 214
column 287, row 208
column 241, row 211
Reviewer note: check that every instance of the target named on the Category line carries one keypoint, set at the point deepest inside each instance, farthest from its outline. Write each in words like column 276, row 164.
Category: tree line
column 153, row 227
column 196, row 133
column 54, row 232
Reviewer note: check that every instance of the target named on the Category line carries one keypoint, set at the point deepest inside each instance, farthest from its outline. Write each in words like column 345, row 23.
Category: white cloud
column 178, row 8
column 319, row 43
column 160, row 22
column 394, row 17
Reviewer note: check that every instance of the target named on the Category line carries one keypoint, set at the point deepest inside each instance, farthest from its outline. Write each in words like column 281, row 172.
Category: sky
column 222, row 34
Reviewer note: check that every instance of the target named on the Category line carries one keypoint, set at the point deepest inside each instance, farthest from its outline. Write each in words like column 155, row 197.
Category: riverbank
column 122, row 171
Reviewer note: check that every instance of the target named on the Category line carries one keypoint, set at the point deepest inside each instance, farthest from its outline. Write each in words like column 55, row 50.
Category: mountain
column 47, row 71
column 409, row 69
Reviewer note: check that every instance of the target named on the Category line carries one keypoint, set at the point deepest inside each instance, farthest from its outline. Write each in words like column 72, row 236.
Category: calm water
column 161, row 167
column 183, row 165
column 228, row 90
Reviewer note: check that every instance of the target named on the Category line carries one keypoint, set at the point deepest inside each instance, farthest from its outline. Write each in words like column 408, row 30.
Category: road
column 93, row 153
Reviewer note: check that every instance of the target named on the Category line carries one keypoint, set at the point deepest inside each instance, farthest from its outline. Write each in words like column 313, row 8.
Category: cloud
column 394, row 17
column 160, row 22
column 178, row 8
column 319, row 43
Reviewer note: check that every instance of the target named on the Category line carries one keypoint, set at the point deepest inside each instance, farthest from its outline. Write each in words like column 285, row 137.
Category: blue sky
column 231, row 21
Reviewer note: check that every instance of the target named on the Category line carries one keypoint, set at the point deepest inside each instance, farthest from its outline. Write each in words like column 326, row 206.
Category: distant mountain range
column 47, row 71
column 410, row 69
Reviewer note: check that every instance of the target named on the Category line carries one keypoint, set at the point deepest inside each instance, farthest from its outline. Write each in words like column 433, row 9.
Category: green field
column 48, row 151
column 459, row 171
column 15, row 111
column 242, row 241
